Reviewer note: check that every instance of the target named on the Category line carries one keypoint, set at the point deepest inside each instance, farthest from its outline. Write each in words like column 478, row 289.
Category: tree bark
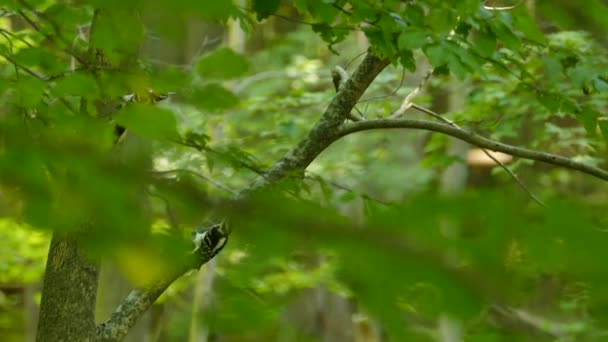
column 67, row 309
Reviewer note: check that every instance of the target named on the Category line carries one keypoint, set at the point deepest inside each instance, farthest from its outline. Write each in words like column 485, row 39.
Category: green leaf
column 553, row 68
column 213, row 98
column 39, row 57
column 485, row 42
column 170, row 80
column 603, row 124
column 441, row 20
column 222, row 64
column 414, row 14
column 148, row 121
column 77, row 84
column 466, row 58
column 505, row 34
column 437, row 54
column 265, row 8
column 407, row 60
column 212, row 10
column 524, row 22
column 588, row 116
column 109, row 34
column 549, row 101
column 411, row 38
column 30, row 91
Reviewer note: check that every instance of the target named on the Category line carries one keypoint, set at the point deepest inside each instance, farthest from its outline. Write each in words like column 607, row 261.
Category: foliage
column 366, row 220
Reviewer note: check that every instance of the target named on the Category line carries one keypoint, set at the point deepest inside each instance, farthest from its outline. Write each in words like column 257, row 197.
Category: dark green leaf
column 414, row 14
column 485, row 42
column 549, row 101
column 602, row 122
column 588, row 116
column 265, row 8
column 524, row 22
column 505, row 34
column 407, row 60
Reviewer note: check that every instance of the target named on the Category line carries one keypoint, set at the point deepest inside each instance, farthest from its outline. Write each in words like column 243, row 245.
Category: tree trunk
column 67, row 310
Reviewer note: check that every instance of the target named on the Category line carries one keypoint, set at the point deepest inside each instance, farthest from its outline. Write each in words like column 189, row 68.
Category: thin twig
column 501, row 8
column 435, row 115
column 24, row 68
column 407, row 101
column 201, row 176
column 36, row 27
column 487, row 153
column 318, row 178
column 393, row 93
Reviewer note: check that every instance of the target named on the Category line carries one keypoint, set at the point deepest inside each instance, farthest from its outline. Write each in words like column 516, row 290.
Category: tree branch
column 473, row 139
column 140, row 300
column 319, row 137
column 323, row 132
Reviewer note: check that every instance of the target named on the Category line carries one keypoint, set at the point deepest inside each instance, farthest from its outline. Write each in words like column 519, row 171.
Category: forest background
column 387, row 170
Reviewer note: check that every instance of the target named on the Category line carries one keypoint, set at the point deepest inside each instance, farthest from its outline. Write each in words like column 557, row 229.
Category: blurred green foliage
column 367, row 221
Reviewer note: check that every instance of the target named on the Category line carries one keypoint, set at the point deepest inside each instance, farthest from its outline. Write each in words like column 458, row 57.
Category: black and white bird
column 210, row 241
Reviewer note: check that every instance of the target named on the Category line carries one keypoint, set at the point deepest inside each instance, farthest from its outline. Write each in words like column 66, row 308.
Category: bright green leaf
column 149, row 121
column 437, row 54
column 30, row 91
column 77, row 84
column 411, row 38
column 109, row 34
column 213, row 98
column 222, row 64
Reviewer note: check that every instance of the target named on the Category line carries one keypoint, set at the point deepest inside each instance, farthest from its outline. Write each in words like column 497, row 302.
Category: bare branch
column 473, row 139
column 138, row 302
column 498, row 162
column 514, row 176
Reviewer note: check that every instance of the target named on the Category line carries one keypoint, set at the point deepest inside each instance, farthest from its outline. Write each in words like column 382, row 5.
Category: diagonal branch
column 322, row 134
column 474, row 139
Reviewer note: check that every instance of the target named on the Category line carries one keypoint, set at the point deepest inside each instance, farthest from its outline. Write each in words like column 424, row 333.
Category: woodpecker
column 210, row 241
